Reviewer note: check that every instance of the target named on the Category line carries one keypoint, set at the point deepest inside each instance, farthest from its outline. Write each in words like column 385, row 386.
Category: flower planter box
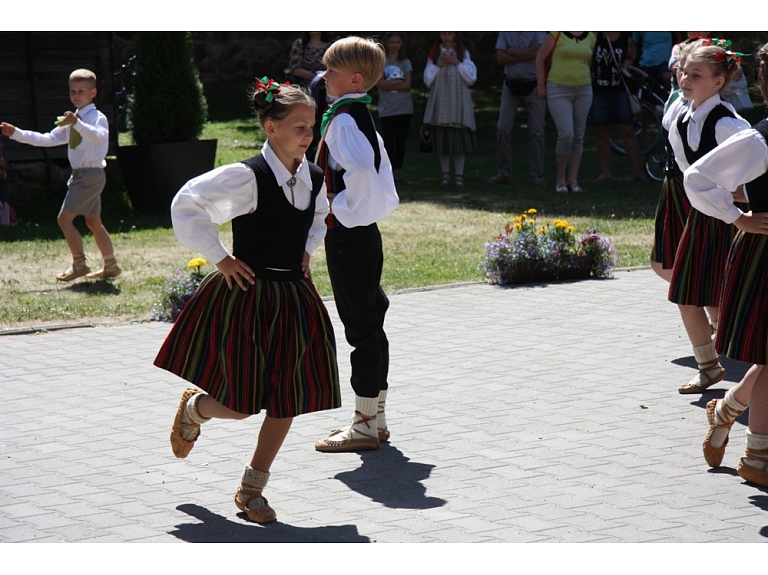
column 529, row 272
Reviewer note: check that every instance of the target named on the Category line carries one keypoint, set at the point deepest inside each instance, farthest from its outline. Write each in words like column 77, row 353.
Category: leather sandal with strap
column 714, row 455
column 753, row 474
column 181, row 447
column 367, row 442
column 261, row 514
column 446, row 179
column 78, row 269
column 110, row 270
column 705, row 381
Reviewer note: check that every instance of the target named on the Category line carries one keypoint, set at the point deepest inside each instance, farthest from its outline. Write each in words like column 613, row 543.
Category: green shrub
column 166, row 103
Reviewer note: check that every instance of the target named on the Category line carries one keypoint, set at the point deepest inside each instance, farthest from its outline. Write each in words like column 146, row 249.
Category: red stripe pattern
column 742, row 332
column 269, row 347
column 699, row 268
column 671, row 215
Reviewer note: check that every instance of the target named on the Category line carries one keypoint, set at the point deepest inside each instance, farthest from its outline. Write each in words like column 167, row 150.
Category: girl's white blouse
column 223, row 194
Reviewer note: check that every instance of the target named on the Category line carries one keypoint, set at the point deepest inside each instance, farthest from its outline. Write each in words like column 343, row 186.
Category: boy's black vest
column 708, row 141
column 334, row 179
column 757, row 189
column 274, row 236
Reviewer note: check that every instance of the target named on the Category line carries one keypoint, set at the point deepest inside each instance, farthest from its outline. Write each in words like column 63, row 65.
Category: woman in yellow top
column 567, row 87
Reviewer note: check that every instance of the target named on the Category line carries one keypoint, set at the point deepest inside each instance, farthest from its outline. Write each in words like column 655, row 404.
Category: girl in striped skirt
column 697, row 125
column 256, row 334
column 672, row 210
column 743, row 330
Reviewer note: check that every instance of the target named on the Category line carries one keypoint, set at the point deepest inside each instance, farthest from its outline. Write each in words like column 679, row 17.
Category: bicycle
column 652, row 96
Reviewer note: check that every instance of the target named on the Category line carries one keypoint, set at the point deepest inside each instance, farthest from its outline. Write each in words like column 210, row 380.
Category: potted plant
column 166, row 114
column 529, row 251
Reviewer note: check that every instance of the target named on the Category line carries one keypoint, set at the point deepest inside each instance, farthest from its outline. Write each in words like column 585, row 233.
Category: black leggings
column 394, row 132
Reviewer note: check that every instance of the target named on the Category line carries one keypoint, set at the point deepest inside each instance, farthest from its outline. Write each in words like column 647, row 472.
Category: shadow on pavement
column 218, row 529
column 390, row 478
column 734, row 370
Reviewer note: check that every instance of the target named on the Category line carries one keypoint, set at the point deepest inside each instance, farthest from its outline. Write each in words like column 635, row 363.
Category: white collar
column 702, row 111
column 83, row 111
column 282, row 175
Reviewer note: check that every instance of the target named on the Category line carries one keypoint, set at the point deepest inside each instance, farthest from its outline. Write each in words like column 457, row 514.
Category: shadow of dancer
column 734, row 370
column 218, row 529
column 388, row 477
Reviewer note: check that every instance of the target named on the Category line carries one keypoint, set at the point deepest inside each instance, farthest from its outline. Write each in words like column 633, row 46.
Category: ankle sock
column 726, row 412
column 364, row 421
column 757, row 451
column 253, row 481
column 708, row 362
column 381, row 418
column 191, row 415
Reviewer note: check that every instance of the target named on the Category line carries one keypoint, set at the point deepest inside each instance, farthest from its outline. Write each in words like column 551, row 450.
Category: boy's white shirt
column 709, row 182
column 229, row 191
column 92, row 126
column 369, row 196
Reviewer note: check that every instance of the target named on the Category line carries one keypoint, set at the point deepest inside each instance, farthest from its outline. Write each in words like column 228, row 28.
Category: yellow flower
column 531, row 211
column 196, row 263
column 570, row 229
column 516, row 219
column 518, row 226
column 543, row 230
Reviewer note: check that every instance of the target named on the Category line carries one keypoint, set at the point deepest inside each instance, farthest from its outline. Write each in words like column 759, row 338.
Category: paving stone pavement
column 541, row 413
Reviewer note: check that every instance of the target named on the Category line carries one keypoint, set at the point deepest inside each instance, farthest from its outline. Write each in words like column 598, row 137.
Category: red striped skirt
column 742, row 332
column 699, row 268
column 671, row 215
column 269, row 347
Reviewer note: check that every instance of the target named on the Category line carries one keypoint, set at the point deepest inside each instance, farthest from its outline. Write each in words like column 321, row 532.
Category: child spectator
column 449, row 74
column 395, row 102
column 362, row 192
column 87, row 133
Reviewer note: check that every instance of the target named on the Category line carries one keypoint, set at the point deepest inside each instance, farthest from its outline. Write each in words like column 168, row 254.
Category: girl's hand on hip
column 305, row 266
column 753, row 223
column 234, row 269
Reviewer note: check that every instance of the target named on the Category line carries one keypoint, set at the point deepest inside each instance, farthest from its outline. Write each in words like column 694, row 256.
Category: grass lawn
column 436, row 236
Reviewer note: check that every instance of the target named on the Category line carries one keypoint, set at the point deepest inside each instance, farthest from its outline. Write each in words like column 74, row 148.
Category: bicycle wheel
column 654, row 163
column 647, row 131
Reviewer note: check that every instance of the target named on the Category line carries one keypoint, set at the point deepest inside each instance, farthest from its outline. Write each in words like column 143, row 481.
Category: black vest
column 362, row 117
column 708, row 141
column 757, row 189
column 275, row 234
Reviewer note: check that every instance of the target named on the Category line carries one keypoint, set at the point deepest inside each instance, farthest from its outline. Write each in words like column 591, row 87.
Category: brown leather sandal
column 263, row 514
column 714, row 455
column 691, row 387
column 365, row 443
column 181, row 447
column 753, row 474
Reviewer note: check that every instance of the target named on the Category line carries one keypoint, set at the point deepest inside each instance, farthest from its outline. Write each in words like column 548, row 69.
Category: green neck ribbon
column 331, row 112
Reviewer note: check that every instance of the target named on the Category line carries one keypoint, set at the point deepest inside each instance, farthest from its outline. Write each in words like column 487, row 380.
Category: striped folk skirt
column 671, row 215
column 699, row 268
column 269, row 347
column 742, row 332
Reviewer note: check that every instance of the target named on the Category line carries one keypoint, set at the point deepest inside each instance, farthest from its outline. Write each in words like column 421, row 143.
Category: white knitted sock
column 726, row 412
column 191, row 415
column 756, row 442
column 253, row 481
column 381, row 417
column 708, row 361
column 363, row 422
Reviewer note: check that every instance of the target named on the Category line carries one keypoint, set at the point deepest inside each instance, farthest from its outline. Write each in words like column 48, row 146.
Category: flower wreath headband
column 727, row 55
column 269, row 87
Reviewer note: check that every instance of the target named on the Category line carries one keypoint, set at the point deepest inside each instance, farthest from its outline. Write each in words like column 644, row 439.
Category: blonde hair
column 83, row 75
column 709, row 55
column 355, row 55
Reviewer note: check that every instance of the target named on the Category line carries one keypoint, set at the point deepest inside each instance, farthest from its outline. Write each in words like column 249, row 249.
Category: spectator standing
column 306, row 58
column 395, row 102
column 516, row 51
column 614, row 53
column 567, row 87
column 655, row 49
column 449, row 74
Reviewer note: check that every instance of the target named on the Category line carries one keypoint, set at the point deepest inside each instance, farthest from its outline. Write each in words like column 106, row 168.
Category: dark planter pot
column 153, row 174
column 529, row 272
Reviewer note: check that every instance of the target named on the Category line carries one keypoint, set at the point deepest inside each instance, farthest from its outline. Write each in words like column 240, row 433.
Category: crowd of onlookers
column 581, row 77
